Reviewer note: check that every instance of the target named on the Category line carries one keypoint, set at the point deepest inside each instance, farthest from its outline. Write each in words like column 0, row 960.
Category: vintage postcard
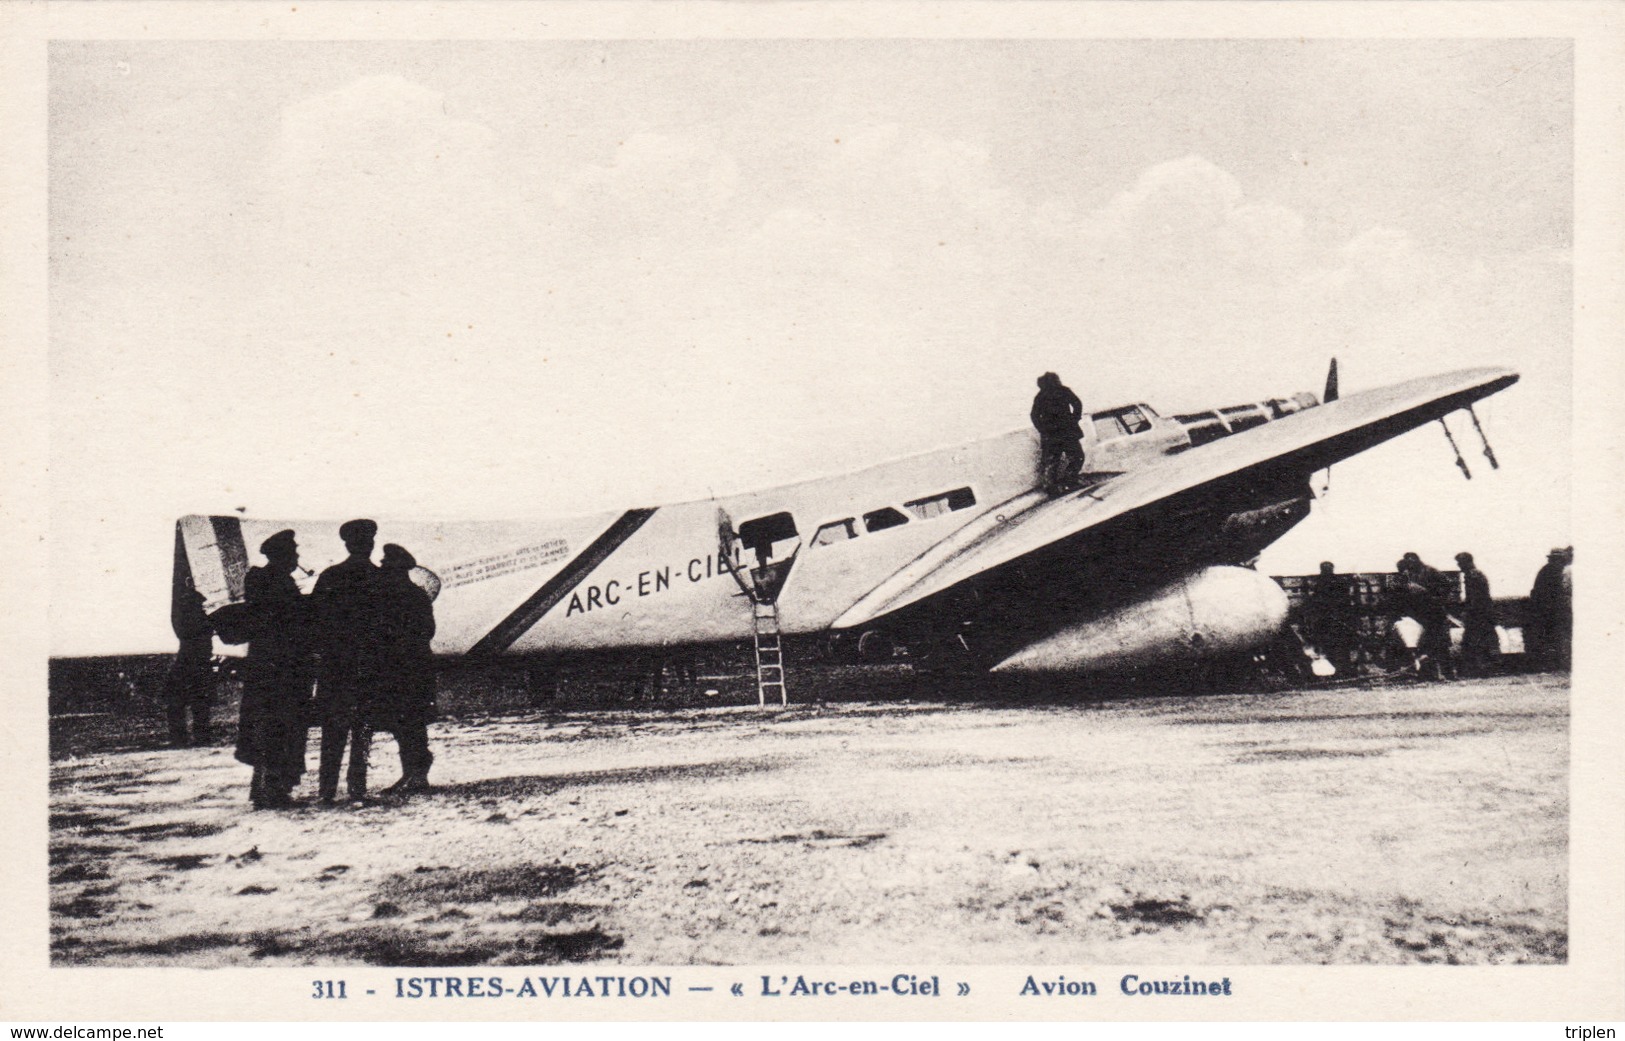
column 533, row 511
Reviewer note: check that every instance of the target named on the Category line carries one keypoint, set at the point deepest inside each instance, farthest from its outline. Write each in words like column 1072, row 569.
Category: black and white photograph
column 1056, row 516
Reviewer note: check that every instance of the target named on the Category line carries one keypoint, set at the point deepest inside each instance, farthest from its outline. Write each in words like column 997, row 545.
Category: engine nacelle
column 1212, row 613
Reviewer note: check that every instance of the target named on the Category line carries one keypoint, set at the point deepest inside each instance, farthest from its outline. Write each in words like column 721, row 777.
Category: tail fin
column 210, row 552
column 1331, row 385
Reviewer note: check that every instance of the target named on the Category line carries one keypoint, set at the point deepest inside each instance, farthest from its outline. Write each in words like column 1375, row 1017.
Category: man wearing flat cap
column 276, row 683
column 346, row 604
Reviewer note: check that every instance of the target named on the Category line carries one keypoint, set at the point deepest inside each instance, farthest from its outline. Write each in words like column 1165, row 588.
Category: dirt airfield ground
column 1366, row 824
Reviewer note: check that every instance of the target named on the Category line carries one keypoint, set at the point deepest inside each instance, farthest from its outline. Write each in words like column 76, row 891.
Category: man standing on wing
column 1056, row 413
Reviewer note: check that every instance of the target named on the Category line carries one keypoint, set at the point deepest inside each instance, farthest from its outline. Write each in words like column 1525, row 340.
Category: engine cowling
column 1212, row 613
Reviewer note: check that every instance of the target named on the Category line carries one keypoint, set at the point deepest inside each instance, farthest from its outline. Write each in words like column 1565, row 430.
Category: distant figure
column 1056, row 414
column 1331, row 619
column 1479, row 644
column 406, row 684
column 677, row 664
column 346, row 608
column 1424, row 600
column 640, row 674
column 189, row 686
column 276, row 685
column 1550, row 627
column 684, row 669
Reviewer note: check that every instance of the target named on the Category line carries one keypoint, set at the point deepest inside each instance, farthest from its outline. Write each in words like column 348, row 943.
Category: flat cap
column 397, row 556
column 281, row 542
column 358, row 529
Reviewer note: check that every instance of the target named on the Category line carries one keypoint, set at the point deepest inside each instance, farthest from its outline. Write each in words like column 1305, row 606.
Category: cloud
column 377, row 127
column 653, row 181
column 1384, row 259
column 1178, row 200
column 914, row 177
column 378, row 186
column 1191, row 217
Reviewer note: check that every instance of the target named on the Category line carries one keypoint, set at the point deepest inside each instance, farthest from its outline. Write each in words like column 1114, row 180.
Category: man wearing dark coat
column 346, row 607
column 189, row 685
column 406, row 683
column 1056, row 413
column 1479, row 644
column 1332, row 621
column 1550, row 631
column 1425, row 599
column 276, row 684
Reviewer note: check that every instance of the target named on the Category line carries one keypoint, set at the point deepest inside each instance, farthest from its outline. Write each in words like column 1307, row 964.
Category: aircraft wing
column 1300, row 443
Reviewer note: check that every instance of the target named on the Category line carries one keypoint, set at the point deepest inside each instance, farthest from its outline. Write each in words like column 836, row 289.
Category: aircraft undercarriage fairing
column 1164, row 580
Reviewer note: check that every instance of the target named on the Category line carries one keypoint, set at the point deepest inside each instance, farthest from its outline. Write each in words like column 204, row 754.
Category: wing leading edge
column 1301, row 443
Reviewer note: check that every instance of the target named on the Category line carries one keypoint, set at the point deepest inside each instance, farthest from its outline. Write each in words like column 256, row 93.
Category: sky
column 486, row 279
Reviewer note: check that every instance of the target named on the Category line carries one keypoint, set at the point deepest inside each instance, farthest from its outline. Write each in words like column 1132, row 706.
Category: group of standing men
column 1433, row 599
column 1425, row 595
column 368, row 629
column 1428, row 597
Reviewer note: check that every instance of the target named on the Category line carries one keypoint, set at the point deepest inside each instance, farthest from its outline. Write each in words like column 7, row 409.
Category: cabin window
column 1201, row 434
column 1108, row 427
column 1135, row 420
column 760, row 533
column 1203, row 427
column 1119, row 422
column 937, row 505
column 1241, row 417
column 836, row 531
column 881, row 519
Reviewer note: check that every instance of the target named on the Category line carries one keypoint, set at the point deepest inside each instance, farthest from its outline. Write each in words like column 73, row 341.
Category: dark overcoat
column 276, row 677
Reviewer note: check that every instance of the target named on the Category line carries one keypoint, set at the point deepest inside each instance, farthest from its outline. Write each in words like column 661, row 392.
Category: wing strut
column 1489, row 453
column 1448, row 436
column 1325, row 399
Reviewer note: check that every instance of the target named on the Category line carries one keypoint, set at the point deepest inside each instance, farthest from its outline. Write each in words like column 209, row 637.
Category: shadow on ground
column 525, row 785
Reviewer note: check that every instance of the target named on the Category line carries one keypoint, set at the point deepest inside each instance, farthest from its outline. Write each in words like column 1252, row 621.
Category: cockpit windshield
column 1121, row 422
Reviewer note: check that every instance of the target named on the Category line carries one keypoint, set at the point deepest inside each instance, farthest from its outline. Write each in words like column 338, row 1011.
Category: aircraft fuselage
column 952, row 548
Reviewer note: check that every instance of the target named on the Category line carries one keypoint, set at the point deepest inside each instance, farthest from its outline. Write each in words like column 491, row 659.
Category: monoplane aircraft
column 955, row 554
